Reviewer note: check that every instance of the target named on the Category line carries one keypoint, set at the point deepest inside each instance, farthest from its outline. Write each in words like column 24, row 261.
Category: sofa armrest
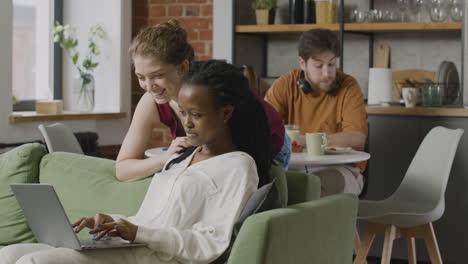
column 302, row 187
column 319, row 231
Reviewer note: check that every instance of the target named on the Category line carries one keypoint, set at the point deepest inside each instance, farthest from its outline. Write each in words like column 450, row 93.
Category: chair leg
column 390, row 234
column 366, row 243
column 431, row 244
column 410, row 241
column 357, row 243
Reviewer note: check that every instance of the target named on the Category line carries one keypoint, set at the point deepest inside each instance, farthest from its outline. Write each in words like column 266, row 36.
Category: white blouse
column 188, row 212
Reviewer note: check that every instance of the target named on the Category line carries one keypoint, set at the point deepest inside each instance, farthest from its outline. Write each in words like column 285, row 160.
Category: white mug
column 410, row 96
column 316, row 143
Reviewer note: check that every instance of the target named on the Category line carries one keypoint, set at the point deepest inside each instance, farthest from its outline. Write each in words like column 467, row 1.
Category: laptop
column 49, row 223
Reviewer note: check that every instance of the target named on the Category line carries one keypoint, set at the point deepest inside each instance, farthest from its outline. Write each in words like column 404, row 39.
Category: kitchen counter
column 417, row 111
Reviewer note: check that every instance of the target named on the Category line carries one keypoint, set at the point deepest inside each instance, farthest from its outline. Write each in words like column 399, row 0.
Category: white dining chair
column 59, row 137
column 419, row 200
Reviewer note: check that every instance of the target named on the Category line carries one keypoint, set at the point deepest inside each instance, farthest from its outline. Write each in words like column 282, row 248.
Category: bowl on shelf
column 456, row 13
column 438, row 13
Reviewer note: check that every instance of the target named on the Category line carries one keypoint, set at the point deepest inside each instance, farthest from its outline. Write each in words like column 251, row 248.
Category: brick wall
column 196, row 16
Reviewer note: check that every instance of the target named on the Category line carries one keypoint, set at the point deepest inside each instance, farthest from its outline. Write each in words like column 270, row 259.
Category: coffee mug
column 316, row 143
column 410, row 96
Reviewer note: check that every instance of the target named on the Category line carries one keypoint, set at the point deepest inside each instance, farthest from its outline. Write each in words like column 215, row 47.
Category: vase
column 83, row 93
column 265, row 16
column 296, row 11
column 262, row 16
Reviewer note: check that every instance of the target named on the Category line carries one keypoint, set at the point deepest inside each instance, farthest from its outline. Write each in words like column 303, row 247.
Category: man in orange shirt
column 320, row 98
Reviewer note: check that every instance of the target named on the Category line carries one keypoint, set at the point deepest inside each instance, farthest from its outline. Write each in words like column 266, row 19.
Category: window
column 34, row 55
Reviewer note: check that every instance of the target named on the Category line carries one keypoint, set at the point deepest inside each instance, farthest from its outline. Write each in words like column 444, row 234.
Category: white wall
column 112, row 76
column 222, row 30
column 82, row 15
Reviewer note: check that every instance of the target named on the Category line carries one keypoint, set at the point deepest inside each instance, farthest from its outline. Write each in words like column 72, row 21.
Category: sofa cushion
column 19, row 165
column 87, row 185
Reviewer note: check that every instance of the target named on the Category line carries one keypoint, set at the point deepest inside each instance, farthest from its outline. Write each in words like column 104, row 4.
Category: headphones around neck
column 305, row 86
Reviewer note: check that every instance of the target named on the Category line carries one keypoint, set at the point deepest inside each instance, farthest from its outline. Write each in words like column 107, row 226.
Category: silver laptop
column 48, row 221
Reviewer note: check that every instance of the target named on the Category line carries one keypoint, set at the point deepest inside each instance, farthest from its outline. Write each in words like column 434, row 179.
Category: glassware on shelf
column 439, row 3
column 417, row 7
column 378, row 15
column 358, row 16
column 438, row 13
column 403, row 6
column 457, row 3
column 456, row 11
column 391, row 15
column 456, row 14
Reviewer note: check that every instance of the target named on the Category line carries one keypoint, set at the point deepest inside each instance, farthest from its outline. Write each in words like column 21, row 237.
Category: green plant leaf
column 75, row 58
column 264, row 4
column 87, row 63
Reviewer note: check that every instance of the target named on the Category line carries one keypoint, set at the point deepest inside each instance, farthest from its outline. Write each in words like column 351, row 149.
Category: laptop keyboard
column 98, row 243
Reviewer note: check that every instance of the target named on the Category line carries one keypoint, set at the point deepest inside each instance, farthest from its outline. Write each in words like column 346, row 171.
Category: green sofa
column 310, row 230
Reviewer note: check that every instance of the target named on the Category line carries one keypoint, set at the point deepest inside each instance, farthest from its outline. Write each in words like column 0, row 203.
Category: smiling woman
column 161, row 56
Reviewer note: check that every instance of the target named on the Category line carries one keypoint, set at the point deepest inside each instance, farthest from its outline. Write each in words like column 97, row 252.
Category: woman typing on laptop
column 190, row 207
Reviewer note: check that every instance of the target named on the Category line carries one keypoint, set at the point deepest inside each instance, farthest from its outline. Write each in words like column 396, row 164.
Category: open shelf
column 403, row 27
column 284, row 28
column 361, row 27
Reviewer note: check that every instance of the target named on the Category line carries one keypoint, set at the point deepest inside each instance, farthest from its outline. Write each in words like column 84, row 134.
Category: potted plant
column 83, row 90
column 264, row 11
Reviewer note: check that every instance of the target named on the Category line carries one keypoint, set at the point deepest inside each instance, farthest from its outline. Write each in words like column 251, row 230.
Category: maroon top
column 169, row 118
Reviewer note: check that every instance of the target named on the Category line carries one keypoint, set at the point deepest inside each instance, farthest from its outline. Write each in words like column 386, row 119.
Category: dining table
column 299, row 160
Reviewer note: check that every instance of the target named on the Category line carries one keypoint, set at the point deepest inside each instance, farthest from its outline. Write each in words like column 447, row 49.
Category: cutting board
column 399, row 77
column 382, row 56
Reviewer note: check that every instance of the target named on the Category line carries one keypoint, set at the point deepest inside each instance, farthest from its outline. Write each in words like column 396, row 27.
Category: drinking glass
column 376, row 15
column 457, row 3
column 417, row 8
column 292, row 131
column 358, row 16
column 403, row 6
column 456, row 11
column 438, row 13
column 439, row 3
column 391, row 15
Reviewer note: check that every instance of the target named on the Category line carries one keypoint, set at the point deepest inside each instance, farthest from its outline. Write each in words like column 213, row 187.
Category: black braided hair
column 227, row 85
